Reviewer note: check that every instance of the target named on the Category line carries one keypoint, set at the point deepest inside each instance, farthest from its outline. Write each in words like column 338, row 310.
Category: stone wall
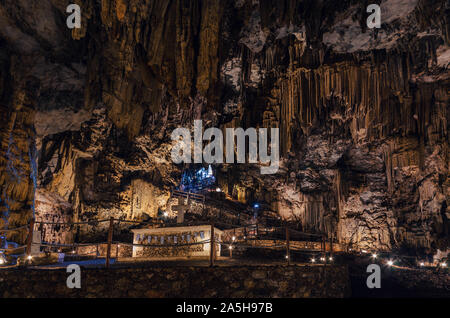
column 189, row 282
column 431, row 279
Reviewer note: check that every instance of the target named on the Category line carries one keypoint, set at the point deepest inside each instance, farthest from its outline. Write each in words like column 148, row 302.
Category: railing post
column 331, row 244
column 288, row 247
column 30, row 238
column 212, row 243
column 110, row 235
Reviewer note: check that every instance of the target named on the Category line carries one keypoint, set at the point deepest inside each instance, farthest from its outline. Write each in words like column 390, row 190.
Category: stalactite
column 379, row 99
column 16, row 166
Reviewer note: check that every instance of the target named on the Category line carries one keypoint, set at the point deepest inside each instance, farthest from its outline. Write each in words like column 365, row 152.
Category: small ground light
column 330, row 259
column 322, row 259
column 218, row 190
column 422, row 264
column 444, row 265
column 313, row 260
column 390, row 263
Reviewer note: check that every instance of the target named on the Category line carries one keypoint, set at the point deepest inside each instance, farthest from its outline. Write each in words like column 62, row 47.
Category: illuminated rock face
column 363, row 115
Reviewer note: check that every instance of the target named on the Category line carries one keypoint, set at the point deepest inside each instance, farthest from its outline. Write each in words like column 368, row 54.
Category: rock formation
column 363, row 113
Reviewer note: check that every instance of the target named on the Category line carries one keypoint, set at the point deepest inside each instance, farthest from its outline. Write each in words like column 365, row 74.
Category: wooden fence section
column 252, row 235
column 296, row 245
column 193, row 196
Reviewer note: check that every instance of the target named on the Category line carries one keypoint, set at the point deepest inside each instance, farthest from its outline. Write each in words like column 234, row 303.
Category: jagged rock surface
column 363, row 114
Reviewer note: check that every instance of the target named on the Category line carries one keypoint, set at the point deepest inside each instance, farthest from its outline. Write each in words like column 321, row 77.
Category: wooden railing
column 193, row 196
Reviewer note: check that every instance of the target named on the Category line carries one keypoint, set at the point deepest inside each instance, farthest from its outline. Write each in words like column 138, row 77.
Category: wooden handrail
column 195, row 196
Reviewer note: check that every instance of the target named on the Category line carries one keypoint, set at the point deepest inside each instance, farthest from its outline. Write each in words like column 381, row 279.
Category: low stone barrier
column 188, row 282
column 430, row 278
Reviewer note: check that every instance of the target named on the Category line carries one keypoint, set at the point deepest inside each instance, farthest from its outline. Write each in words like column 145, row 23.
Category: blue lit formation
column 194, row 180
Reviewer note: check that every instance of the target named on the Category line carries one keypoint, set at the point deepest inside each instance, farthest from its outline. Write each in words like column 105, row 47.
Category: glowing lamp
column 374, row 255
column 390, row 263
column 233, row 238
column 256, row 205
column 444, row 265
column 330, row 259
column 218, row 190
column 313, row 260
column 422, row 264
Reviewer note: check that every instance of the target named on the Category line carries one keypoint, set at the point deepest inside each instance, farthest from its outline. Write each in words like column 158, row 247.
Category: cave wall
column 363, row 114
